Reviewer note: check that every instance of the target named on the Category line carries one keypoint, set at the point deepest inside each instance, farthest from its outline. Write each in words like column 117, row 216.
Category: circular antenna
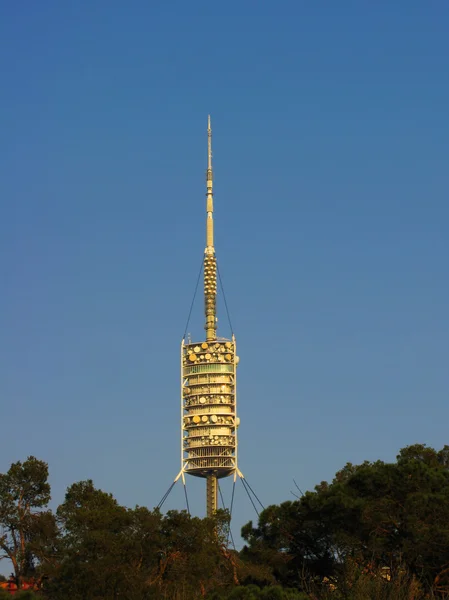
column 197, row 348
column 192, row 357
column 214, row 418
column 196, row 419
column 202, row 400
column 208, row 356
column 205, row 418
column 204, row 346
column 228, row 356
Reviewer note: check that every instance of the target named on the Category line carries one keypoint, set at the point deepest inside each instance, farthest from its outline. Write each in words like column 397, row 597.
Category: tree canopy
column 377, row 530
column 27, row 527
column 375, row 518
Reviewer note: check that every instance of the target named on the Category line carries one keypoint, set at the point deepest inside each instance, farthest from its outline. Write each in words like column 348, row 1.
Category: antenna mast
column 210, row 262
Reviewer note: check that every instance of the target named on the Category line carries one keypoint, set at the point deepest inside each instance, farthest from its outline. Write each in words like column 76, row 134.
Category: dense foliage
column 378, row 530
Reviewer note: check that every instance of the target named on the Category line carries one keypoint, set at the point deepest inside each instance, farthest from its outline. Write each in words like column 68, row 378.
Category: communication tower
column 209, row 419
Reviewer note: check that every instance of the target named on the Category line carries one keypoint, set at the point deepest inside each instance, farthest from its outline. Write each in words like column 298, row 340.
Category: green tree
column 92, row 552
column 194, row 557
column 28, row 530
column 371, row 519
column 294, row 539
column 109, row 551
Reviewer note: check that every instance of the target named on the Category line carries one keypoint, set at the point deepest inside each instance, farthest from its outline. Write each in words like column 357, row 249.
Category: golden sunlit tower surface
column 208, row 381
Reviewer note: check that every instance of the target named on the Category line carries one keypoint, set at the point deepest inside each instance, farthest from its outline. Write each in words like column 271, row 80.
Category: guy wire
column 224, row 299
column 193, row 299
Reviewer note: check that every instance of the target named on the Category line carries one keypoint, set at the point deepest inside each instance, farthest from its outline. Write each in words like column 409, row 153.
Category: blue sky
column 331, row 147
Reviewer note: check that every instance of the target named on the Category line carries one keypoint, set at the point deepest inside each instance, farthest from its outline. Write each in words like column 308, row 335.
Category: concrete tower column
column 211, row 495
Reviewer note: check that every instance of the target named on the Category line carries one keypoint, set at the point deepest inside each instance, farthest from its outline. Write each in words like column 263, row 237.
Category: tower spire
column 209, row 194
column 210, row 262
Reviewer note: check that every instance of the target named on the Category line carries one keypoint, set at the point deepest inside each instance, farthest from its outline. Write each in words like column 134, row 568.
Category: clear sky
column 331, row 148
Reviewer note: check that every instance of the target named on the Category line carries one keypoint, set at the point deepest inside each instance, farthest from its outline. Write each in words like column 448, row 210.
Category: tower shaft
column 211, row 495
column 210, row 261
